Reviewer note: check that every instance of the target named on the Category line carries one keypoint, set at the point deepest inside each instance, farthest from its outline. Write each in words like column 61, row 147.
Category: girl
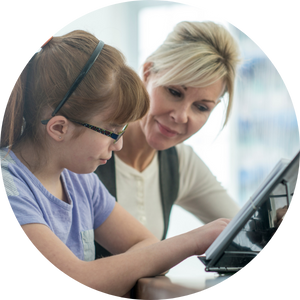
column 186, row 77
column 68, row 111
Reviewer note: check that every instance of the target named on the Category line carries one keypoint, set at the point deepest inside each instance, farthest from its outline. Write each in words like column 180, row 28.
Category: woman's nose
column 180, row 113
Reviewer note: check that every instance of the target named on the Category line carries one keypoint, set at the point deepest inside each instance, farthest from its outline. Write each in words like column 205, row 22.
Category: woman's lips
column 166, row 131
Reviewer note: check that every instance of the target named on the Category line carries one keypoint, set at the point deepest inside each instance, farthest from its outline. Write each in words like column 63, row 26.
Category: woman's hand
column 282, row 215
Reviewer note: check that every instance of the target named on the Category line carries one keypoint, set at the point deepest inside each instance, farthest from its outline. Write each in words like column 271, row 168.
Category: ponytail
column 13, row 117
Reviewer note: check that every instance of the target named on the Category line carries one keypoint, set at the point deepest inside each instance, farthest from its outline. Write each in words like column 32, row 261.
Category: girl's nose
column 118, row 145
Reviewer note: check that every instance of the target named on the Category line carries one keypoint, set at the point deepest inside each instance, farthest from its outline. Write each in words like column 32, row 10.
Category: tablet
column 256, row 222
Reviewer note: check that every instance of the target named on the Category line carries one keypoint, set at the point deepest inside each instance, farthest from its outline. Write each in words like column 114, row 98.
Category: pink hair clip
column 46, row 40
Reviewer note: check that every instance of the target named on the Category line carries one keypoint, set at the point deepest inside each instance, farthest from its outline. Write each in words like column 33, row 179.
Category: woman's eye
column 174, row 92
column 201, row 107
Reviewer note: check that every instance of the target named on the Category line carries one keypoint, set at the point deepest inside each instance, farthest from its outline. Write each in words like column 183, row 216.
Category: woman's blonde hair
column 110, row 83
column 197, row 54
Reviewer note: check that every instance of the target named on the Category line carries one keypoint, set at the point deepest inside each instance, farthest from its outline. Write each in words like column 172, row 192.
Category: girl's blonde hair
column 110, row 83
column 197, row 54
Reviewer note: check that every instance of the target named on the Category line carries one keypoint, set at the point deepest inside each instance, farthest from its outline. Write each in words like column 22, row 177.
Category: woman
column 186, row 78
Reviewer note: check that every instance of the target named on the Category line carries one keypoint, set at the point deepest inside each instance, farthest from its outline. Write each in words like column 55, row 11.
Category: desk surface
column 186, row 278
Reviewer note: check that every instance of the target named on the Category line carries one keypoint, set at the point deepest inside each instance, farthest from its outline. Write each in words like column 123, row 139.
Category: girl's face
column 177, row 112
column 91, row 149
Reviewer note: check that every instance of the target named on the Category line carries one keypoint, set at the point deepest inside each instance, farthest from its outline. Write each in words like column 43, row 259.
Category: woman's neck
column 136, row 152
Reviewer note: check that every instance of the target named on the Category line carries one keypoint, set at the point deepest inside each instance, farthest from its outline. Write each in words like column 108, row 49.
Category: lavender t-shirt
column 89, row 204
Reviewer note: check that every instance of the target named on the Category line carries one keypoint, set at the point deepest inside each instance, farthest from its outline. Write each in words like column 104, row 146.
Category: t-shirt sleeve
column 19, row 195
column 24, row 210
column 103, row 201
column 199, row 191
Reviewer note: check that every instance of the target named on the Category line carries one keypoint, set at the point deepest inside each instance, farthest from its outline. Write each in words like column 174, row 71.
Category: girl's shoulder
column 10, row 165
column 13, row 171
column 6, row 157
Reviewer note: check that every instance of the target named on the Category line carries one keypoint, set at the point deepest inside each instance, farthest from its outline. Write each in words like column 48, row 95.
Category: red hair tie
column 46, row 40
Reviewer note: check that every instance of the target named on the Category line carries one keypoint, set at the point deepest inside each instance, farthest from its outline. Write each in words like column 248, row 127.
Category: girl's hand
column 126, row 296
column 205, row 235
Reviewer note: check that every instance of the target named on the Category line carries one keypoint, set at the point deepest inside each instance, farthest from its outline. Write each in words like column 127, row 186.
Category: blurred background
column 263, row 126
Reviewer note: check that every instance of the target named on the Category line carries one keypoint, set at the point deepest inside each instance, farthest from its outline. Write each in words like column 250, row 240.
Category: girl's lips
column 104, row 161
column 166, row 131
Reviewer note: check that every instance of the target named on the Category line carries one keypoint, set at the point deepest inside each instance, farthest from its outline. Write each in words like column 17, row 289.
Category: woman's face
column 177, row 112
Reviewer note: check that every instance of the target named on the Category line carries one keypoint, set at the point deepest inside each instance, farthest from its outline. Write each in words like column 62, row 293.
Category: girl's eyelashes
column 116, row 128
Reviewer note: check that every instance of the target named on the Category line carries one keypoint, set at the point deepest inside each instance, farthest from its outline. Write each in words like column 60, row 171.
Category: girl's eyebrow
column 108, row 123
column 114, row 124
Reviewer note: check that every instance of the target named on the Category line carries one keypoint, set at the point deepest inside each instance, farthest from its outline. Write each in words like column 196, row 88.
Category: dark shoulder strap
column 107, row 174
column 169, row 185
column 169, row 182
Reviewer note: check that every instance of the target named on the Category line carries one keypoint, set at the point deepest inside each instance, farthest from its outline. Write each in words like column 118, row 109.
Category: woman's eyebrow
column 205, row 100
column 184, row 87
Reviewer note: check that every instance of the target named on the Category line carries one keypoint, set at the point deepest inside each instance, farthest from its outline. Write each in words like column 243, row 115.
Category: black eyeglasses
column 115, row 136
column 86, row 68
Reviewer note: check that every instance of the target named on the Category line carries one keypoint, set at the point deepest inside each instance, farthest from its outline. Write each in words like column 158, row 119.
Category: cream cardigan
column 199, row 191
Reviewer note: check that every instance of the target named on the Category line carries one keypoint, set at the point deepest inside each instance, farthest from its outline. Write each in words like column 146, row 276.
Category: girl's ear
column 57, row 128
column 146, row 71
